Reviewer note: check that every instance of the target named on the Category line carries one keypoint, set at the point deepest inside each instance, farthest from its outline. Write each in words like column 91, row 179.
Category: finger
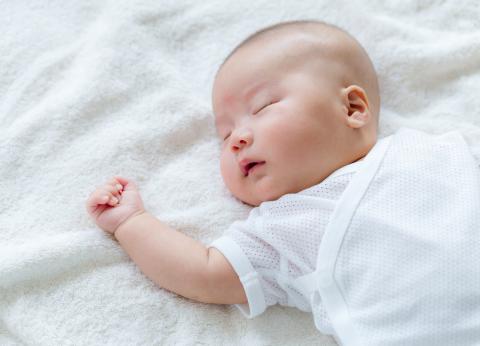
column 115, row 183
column 112, row 189
column 127, row 184
column 107, row 197
column 113, row 201
column 98, row 197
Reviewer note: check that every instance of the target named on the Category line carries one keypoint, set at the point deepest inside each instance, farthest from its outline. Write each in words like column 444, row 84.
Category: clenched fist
column 114, row 203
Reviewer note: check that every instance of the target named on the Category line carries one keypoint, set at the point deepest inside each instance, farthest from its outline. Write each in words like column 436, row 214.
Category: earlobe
column 356, row 106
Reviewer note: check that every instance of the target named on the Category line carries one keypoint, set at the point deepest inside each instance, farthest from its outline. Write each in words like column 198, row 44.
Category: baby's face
column 273, row 111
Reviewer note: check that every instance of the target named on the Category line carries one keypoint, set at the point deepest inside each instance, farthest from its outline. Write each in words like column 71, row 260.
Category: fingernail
column 114, row 200
column 118, row 186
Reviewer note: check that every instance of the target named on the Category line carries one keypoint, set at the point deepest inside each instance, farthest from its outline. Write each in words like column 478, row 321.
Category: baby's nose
column 241, row 138
column 240, row 144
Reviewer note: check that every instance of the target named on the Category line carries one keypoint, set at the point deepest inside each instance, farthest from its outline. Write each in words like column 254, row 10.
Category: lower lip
column 254, row 168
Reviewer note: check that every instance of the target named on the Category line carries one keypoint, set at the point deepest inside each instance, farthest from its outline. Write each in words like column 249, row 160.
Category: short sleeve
column 253, row 260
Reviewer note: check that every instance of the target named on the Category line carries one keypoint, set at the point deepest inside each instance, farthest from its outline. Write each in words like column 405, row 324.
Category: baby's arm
column 179, row 263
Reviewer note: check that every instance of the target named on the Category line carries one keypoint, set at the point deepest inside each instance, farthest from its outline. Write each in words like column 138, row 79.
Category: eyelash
column 268, row 104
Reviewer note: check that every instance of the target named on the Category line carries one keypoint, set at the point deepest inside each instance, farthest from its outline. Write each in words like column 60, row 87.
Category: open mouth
column 251, row 165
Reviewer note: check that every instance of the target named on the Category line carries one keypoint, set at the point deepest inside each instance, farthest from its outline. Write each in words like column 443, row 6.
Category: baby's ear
column 356, row 106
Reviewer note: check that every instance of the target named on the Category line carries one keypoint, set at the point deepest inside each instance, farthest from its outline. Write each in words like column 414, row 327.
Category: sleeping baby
column 377, row 237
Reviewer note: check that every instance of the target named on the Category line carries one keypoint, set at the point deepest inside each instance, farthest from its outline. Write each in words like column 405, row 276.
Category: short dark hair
column 294, row 23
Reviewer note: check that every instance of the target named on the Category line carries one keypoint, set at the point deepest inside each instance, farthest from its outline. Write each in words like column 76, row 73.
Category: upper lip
column 244, row 165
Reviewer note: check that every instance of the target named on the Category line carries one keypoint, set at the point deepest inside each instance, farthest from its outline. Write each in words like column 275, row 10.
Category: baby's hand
column 113, row 203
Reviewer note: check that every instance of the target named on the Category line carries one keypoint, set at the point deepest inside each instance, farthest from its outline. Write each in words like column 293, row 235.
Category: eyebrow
column 248, row 94
column 253, row 90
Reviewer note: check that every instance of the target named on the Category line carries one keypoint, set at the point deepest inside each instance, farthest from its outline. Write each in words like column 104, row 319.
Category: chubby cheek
column 283, row 139
column 292, row 143
column 230, row 172
column 236, row 183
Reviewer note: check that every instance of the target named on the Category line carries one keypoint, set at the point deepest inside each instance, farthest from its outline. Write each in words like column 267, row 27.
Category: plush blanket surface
column 90, row 89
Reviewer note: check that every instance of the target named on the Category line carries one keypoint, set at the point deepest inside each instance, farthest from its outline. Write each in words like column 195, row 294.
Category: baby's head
column 299, row 98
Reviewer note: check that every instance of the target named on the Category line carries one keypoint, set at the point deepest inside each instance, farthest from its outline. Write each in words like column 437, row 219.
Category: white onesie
column 279, row 242
column 383, row 251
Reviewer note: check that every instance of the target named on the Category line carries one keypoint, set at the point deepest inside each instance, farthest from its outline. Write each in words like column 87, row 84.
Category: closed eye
column 268, row 104
column 226, row 137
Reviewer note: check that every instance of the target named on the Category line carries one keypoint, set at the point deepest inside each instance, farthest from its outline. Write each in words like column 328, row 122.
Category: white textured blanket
column 90, row 89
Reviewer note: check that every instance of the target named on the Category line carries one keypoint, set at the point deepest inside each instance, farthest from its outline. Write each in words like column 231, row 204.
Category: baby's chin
column 260, row 197
column 253, row 202
column 264, row 190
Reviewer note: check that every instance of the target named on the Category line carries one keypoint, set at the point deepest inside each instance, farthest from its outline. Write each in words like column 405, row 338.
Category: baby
column 296, row 107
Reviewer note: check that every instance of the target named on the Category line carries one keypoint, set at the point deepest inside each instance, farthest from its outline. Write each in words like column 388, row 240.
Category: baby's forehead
column 248, row 73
